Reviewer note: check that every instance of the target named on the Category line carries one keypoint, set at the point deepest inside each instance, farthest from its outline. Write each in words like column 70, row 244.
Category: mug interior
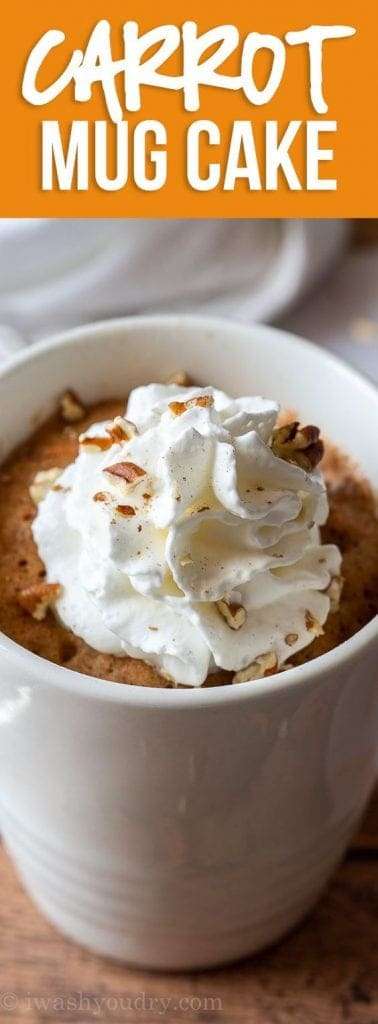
column 107, row 360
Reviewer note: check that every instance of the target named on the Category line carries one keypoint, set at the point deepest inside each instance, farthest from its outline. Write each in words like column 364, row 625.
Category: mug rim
column 98, row 327
column 93, row 687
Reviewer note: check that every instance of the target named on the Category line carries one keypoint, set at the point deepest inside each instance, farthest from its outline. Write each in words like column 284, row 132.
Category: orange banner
column 226, row 110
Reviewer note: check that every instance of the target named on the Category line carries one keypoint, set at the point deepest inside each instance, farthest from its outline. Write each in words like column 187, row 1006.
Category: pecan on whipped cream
column 192, row 540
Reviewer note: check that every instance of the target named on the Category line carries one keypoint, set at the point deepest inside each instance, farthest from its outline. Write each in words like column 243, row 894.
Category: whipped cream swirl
column 150, row 558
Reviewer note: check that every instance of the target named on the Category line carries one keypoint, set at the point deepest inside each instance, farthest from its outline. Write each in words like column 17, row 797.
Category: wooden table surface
column 326, row 972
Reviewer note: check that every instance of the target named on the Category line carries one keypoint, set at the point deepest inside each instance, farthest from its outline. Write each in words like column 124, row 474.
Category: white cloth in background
column 11, row 342
column 60, row 273
column 342, row 314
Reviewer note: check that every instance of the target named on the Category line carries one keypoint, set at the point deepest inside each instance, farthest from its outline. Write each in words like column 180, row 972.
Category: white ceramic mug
column 181, row 829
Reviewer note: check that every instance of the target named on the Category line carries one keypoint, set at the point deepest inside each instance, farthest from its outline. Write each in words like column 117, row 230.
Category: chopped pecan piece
column 202, row 401
column 234, row 614
column 122, row 430
column 126, row 510
column 102, row 496
column 128, row 471
column 71, row 408
column 264, row 665
column 312, row 624
column 334, row 592
column 178, row 408
column 43, row 482
column 291, row 639
column 301, row 445
column 100, row 443
column 38, row 598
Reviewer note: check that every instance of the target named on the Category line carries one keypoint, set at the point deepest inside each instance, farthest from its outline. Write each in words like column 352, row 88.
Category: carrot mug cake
column 188, row 648
column 184, row 540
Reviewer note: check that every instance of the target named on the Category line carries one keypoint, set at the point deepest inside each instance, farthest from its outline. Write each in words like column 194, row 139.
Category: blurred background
column 317, row 278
